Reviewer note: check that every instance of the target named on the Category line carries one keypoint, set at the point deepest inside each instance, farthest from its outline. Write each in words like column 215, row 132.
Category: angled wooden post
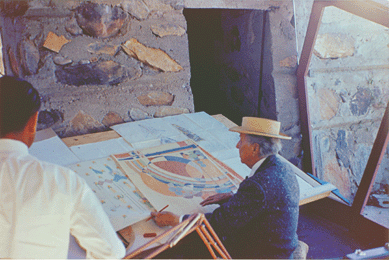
column 373, row 163
column 302, row 72
column 366, row 9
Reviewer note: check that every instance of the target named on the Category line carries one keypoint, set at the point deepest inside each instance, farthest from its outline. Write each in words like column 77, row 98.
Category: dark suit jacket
column 260, row 220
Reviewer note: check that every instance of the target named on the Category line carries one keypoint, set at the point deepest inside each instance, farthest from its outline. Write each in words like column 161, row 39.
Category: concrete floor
column 326, row 240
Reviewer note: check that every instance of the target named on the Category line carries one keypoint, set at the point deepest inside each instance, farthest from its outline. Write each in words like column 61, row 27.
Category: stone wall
column 91, row 74
column 95, row 66
column 96, row 63
column 283, row 72
column 348, row 93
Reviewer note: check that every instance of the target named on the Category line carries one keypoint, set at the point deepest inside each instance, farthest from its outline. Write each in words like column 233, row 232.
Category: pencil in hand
column 158, row 212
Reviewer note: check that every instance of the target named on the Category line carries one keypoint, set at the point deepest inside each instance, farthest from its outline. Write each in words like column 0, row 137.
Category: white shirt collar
column 7, row 145
column 256, row 166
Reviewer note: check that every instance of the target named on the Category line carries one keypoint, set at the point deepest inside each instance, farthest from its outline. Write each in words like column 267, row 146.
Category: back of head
column 19, row 100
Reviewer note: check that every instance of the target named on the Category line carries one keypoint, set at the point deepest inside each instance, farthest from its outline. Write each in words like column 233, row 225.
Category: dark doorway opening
column 227, row 50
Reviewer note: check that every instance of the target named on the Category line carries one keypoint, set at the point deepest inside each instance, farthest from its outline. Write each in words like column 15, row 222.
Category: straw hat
column 260, row 126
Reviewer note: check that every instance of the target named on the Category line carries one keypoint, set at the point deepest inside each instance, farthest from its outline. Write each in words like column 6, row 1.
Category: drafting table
column 195, row 123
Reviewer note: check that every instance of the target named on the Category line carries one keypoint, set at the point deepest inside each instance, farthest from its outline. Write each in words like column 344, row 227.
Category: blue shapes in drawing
column 186, row 191
column 177, row 159
column 118, row 177
column 109, row 169
column 97, row 171
column 176, row 189
column 167, row 140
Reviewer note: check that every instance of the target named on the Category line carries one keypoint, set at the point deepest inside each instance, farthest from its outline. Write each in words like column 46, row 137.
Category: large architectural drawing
column 179, row 174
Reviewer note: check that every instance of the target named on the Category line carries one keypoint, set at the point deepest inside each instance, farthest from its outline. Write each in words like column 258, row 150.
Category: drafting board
column 208, row 131
column 191, row 125
column 179, row 174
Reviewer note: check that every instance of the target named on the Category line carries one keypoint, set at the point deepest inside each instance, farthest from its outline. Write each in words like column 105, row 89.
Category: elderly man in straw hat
column 260, row 219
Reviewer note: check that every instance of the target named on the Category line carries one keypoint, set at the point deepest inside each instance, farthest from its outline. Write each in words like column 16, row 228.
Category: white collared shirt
column 41, row 203
column 256, row 166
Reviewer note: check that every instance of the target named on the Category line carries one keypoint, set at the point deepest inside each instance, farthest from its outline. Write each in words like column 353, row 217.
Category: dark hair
column 19, row 100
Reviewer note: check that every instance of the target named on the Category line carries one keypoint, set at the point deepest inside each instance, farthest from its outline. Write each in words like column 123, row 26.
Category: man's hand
column 165, row 218
column 218, row 198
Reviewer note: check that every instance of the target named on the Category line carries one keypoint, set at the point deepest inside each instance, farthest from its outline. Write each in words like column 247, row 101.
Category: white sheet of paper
column 240, row 168
column 209, row 142
column 158, row 142
column 205, row 121
column 183, row 124
column 86, row 152
column 50, row 148
column 145, row 130
column 224, row 155
column 303, row 184
column 227, row 138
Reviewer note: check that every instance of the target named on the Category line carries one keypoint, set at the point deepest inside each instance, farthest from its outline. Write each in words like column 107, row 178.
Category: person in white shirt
column 42, row 203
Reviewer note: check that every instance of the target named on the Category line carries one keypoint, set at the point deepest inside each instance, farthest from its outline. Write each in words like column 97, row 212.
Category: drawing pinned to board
column 180, row 174
column 121, row 200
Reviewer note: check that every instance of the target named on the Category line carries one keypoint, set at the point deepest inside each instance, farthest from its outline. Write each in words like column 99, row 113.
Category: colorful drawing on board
column 178, row 170
column 118, row 196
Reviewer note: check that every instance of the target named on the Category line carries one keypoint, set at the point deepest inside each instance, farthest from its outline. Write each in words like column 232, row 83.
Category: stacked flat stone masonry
column 93, row 62
column 89, row 80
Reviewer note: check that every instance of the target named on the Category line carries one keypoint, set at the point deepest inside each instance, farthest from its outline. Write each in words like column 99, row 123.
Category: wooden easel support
column 196, row 223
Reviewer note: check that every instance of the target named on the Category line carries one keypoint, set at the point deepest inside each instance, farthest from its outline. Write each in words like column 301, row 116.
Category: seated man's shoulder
column 276, row 174
column 278, row 160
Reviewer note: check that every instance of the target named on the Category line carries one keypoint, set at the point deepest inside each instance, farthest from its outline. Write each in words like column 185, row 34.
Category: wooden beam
column 373, row 163
column 90, row 138
column 368, row 9
column 302, row 71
